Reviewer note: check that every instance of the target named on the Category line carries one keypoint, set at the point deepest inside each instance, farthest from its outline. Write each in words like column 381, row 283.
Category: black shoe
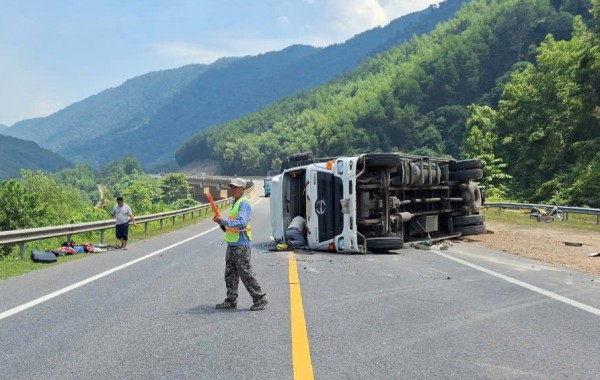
column 226, row 305
column 261, row 304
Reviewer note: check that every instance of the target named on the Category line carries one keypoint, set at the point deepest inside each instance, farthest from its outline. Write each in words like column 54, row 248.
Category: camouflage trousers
column 237, row 266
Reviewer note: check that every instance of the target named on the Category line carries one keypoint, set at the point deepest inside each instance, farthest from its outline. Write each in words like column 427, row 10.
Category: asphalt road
column 148, row 313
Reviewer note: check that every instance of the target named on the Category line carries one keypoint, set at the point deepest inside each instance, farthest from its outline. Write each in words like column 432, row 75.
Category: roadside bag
column 42, row 257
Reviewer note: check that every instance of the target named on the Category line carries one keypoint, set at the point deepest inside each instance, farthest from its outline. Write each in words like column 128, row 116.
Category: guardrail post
column 174, row 220
column 161, row 224
column 22, row 249
column 146, row 227
column 102, row 236
column 598, row 219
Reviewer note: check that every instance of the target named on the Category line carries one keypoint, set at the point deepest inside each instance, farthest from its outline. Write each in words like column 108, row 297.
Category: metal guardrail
column 565, row 209
column 21, row 237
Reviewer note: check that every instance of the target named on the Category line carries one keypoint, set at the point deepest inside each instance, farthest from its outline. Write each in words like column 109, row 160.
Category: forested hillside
column 152, row 115
column 427, row 97
column 17, row 154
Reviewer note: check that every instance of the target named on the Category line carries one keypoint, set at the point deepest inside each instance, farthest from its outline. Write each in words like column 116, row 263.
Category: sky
column 56, row 52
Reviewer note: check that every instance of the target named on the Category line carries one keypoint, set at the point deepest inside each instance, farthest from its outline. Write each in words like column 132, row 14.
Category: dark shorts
column 122, row 231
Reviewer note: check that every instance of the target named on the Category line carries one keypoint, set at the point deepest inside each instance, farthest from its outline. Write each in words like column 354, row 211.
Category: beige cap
column 238, row 182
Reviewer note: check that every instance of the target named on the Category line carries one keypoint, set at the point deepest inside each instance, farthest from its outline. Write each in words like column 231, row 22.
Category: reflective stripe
column 236, row 230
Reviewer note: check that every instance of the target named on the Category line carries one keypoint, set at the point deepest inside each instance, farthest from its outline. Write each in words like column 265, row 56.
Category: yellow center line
column 302, row 363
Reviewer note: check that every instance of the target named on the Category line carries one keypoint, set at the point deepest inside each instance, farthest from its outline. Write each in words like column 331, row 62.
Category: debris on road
column 429, row 244
column 572, row 244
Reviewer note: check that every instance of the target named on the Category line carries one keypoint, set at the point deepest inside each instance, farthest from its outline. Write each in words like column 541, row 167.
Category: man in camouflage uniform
column 238, row 234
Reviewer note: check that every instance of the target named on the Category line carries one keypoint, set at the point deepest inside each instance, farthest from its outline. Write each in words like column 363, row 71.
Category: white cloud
column 343, row 19
column 396, row 8
column 348, row 17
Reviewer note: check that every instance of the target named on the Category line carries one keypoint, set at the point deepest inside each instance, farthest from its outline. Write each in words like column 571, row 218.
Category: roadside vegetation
column 13, row 265
column 39, row 199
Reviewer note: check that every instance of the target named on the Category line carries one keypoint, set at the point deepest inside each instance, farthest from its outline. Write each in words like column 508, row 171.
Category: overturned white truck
column 376, row 202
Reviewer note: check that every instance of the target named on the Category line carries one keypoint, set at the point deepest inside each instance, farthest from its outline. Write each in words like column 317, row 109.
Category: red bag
column 68, row 250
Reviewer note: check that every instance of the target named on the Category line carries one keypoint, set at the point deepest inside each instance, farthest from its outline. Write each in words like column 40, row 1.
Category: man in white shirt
column 123, row 215
column 294, row 234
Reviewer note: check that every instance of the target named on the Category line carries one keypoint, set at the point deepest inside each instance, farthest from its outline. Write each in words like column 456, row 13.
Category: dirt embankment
column 546, row 244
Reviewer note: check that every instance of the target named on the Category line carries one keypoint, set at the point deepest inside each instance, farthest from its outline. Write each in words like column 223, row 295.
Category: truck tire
column 465, row 165
column 384, row 244
column 466, row 175
column 387, row 160
column 477, row 197
column 467, row 220
column 471, row 230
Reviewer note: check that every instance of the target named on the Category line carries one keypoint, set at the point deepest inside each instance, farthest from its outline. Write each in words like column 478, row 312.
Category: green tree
column 174, row 186
column 139, row 196
column 480, row 144
column 17, row 209
column 586, row 189
column 544, row 120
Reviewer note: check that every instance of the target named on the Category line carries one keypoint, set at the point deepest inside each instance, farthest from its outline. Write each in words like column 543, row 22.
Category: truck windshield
column 328, row 208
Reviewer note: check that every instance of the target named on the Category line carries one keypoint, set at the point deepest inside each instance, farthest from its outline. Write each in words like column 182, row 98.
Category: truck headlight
column 341, row 244
column 339, row 167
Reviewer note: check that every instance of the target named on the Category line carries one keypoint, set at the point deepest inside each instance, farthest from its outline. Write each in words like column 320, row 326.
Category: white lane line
column 525, row 285
column 59, row 292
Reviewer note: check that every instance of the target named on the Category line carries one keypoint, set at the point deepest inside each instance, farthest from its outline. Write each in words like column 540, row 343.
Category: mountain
column 17, row 154
column 415, row 97
column 2, row 127
column 150, row 116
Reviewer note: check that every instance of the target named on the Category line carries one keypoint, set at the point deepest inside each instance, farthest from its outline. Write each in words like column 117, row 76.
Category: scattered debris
column 444, row 245
column 594, row 254
column 572, row 244
column 421, row 245
column 435, row 243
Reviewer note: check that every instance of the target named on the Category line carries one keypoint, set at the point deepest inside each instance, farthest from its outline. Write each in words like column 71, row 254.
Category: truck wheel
column 471, row 230
column 384, row 244
column 466, row 175
column 465, row 165
column 388, row 160
column 467, row 220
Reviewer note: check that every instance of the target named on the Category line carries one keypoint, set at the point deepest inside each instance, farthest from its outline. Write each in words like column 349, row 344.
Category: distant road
column 463, row 313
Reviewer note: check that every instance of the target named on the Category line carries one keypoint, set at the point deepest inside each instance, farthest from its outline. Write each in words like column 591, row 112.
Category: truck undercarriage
column 402, row 198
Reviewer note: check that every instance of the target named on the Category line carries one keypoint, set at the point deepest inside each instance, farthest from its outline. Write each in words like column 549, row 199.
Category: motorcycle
column 546, row 215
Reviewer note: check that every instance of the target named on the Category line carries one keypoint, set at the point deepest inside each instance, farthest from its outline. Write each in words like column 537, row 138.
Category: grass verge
column 14, row 266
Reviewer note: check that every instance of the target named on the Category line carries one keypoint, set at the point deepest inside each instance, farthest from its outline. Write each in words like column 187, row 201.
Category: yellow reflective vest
column 232, row 234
